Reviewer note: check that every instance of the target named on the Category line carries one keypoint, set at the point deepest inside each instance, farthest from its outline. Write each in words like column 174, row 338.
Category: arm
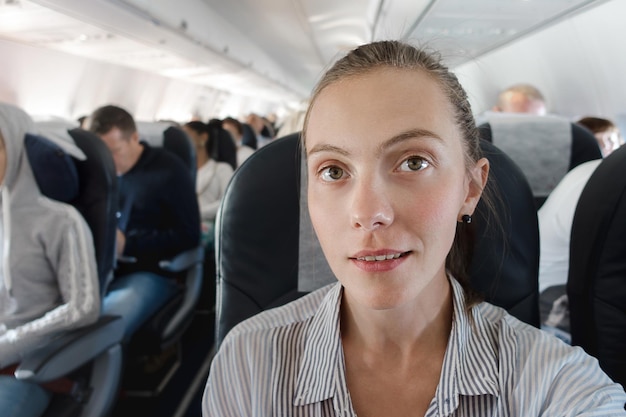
column 70, row 253
column 223, row 175
column 581, row 388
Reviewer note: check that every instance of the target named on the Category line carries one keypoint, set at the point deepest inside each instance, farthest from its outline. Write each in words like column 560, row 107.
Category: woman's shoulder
column 224, row 168
column 562, row 377
column 294, row 312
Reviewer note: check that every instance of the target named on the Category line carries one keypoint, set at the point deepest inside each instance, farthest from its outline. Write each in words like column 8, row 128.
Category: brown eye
column 414, row 163
column 332, row 174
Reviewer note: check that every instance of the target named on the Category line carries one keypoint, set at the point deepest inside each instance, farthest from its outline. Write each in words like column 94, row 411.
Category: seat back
column 222, row 145
column 268, row 255
column 505, row 259
column 544, row 147
column 88, row 182
column 170, row 137
column 596, row 285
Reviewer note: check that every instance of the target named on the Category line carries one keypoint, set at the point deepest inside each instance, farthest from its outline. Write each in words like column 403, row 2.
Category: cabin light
column 82, row 37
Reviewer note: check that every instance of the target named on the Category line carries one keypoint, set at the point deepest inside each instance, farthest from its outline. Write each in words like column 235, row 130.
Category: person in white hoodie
column 48, row 278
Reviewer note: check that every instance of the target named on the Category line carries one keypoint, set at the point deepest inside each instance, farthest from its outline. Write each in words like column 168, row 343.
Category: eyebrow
column 394, row 140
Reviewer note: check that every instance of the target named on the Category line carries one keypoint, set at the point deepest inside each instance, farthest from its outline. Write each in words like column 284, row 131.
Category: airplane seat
column 249, row 137
column 223, row 146
column 164, row 330
column 596, row 285
column 544, row 147
column 267, row 253
column 91, row 355
column 505, row 259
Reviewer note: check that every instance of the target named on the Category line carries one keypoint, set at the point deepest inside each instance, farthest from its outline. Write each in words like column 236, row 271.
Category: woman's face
column 387, row 183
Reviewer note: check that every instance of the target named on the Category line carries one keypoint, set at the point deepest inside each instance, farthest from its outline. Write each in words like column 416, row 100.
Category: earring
column 466, row 218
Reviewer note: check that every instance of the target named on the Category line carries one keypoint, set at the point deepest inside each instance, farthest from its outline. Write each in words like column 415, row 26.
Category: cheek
column 323, row 211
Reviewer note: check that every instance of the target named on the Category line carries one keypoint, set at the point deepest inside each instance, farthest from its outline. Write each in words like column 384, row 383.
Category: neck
column 423, row 324
column 201, row 159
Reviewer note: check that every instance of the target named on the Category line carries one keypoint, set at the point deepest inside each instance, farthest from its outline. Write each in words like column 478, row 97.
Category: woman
column 212, row 179
column 48, row 278
column 394, row 173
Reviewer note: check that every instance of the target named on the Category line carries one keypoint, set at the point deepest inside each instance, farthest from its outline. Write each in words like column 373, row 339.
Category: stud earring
column 466, row 218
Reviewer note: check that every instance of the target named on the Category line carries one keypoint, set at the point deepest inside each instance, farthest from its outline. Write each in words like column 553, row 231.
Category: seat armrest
column 184, row 260
column 70, row 351
column 191, row 261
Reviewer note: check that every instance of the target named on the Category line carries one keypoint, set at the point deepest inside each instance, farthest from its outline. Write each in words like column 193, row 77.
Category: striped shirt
column 289, row 362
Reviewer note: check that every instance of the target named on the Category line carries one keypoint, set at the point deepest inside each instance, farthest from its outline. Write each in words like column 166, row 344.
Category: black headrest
column 249, row 137
column 505, row 262
column 259, row 219
column 596, row 285
column 222, row 146
column 54, row 170
column 97, row 198
column 176, row 141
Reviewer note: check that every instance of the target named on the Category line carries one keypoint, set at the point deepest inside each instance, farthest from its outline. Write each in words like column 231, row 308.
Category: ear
column 134, row 137
column 477, row 180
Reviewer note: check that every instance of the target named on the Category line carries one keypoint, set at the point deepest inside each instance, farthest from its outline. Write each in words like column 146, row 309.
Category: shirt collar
column 322, row 352
column 470, row 364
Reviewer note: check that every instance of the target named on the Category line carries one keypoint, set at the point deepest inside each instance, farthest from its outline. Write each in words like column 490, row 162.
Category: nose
column 371, row 207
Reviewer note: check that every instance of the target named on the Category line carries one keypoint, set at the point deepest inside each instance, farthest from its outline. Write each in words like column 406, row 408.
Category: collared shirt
column 289, row 362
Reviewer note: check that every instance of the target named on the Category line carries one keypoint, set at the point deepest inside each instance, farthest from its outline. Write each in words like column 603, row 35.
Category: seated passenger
column 48, row 277
column 394, row 175
column 212, row 179
column 555, row 227
column 158, row 218
column 606, row 133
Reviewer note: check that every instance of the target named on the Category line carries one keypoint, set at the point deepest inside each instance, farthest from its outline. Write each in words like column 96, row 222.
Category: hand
column 120, row 243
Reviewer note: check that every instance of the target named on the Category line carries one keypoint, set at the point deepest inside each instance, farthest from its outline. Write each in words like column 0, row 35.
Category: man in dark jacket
column 158, row 218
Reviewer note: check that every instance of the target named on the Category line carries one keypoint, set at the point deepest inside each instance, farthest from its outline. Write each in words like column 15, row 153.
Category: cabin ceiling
column 275, row 49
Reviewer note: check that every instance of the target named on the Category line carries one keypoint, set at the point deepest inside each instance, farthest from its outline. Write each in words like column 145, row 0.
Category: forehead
column 114, row 137
column 379, row 104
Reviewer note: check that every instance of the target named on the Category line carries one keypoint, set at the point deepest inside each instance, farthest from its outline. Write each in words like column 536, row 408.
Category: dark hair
column 105, row 118
column 197, row 127
column 395, row 54
column 234, row 122
column 596, row 124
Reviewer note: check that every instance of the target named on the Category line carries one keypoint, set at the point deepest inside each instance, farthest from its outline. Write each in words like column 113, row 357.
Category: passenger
column 224, row 148
column 555, row 227
column 563, row 145
column 246, row 144
column 401, row 333
column 521, row 98
column 48, row 277
column 212, row 179
column 158, row 218
column 606, row 133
